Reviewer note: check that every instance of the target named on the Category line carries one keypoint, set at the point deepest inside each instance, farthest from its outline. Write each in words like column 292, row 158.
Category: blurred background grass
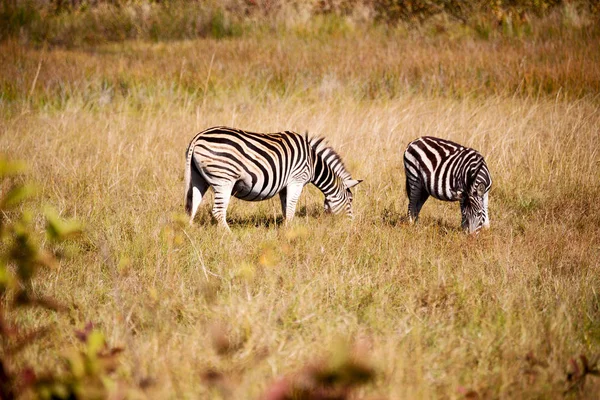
column 368, row 50
column 78, row 22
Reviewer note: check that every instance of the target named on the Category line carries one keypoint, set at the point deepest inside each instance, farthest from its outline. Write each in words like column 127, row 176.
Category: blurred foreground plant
column 333, row 379
column 21, row 256
column 578, row 370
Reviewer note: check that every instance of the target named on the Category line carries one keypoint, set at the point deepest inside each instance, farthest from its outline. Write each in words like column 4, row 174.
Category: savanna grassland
column 201, row 313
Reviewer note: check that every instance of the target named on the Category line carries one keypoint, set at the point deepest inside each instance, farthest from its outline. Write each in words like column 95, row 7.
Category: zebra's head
column 341, row 199
column 331, row 177
column 474, row 208
column 474, row 197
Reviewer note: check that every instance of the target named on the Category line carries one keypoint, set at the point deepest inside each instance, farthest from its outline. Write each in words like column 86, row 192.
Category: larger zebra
column 450, row 172
column 257, row 166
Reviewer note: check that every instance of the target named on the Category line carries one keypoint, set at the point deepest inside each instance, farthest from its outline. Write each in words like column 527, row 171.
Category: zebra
column 450, row 172
column 256, row 166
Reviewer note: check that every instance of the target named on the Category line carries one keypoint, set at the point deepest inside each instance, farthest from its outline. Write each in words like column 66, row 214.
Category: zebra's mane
column 323, row 150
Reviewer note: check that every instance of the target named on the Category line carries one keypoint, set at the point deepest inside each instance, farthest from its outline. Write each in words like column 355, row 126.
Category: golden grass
column 437, row 311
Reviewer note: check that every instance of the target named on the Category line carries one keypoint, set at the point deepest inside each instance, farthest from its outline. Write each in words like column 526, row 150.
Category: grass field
column 437, row 313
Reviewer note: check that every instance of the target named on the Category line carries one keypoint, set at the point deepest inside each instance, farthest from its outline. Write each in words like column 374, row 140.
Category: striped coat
column 447, row 171
column 257, row 166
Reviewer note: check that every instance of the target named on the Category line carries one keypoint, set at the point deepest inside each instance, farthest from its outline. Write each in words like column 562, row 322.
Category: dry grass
column 440, row 313
column 555, row 59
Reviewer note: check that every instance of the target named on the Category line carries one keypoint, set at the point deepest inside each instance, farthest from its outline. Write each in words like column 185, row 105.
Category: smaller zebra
column 450, row 172
column 257, row 166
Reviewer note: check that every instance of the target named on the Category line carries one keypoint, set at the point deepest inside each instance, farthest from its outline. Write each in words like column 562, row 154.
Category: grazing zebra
column 257, row 166
column 450, row 172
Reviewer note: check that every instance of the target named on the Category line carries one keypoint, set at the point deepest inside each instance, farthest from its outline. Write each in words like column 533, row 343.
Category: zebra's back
column 441, row 165
column 261, row 164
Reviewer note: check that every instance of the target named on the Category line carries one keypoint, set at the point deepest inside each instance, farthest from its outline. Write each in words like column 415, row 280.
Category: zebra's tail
column 407, row 185
column 188, row 178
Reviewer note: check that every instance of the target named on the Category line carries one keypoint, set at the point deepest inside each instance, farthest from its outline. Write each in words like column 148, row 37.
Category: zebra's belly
column 443, row 194
column 443, row 198
column 440, row 193
column 246, row 191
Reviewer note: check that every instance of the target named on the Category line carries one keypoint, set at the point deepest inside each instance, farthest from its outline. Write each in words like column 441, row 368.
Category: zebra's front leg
column 289, row 198
column 222, row 198
column 486, row 221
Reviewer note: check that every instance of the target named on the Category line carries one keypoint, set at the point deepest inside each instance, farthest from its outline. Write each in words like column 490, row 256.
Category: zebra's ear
column 350, row 183
column 480, row 190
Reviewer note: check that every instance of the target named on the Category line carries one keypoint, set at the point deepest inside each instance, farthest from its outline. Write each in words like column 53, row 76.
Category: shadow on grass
column 255, row 221
column 444, row 226
column 260, row 219
column 272, row 220
column 394, row 218
column 400, row 220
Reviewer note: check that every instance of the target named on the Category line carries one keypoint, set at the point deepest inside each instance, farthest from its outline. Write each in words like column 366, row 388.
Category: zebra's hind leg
column 417, row 196
column 283, row 200
column 222, row 197
column 196, row 191
column 289, row 198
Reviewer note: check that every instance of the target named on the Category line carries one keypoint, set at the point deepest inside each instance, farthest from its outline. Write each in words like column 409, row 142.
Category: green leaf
column 16, row 195
column 95, row 343
column 60, row 390
column 76, row 364
column 58, row 228
column 8, row 168
column 6, row 279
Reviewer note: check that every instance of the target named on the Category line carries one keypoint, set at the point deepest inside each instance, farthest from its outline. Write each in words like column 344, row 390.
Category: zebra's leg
column 464, row 222
column 417, row 196
column 283, row 200
column 418, row 204
column 289, row 198
column 222, row 197
column 196, row 191
column 486, row 222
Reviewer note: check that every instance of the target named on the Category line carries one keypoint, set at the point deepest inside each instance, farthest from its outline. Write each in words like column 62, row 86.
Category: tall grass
column 361, row 64
column 439, row 313
column 439, row 310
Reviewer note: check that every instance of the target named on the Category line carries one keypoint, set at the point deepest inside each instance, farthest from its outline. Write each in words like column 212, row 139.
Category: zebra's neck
column 328, row 170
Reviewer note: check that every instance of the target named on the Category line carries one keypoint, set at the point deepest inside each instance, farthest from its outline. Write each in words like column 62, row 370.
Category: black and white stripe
column 257, row 166
column 451, row 172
